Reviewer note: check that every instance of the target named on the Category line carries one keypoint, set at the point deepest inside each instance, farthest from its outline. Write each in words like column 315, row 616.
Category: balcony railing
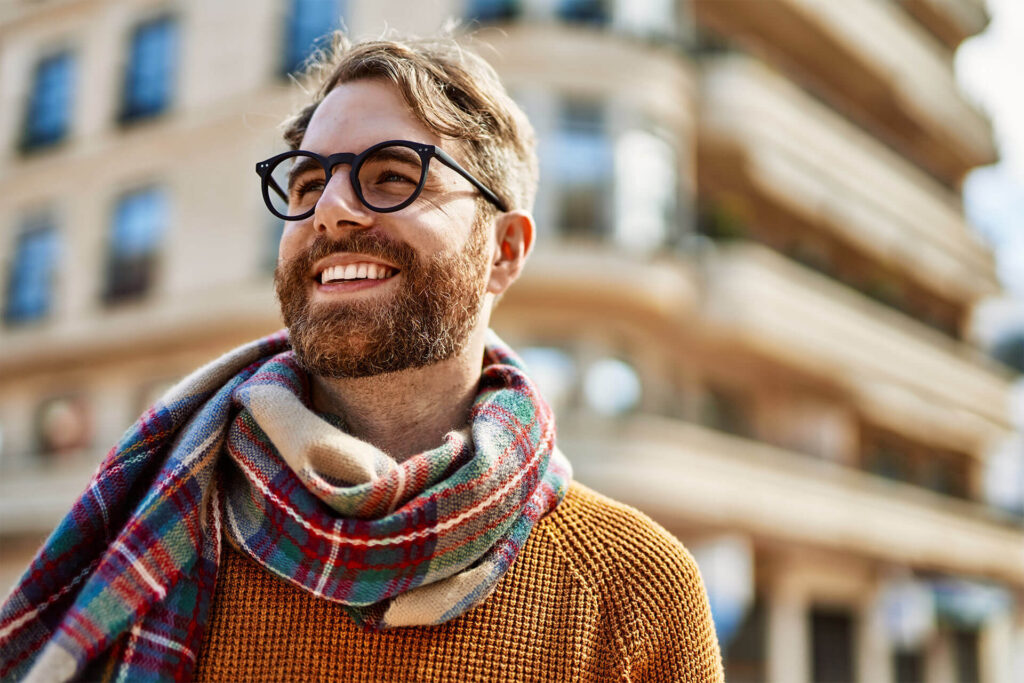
column 683, row 474
column 898, row 371
column 872, row 61
column 762, row 135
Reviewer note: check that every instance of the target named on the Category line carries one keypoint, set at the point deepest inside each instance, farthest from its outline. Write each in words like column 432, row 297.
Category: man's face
column 426, row 311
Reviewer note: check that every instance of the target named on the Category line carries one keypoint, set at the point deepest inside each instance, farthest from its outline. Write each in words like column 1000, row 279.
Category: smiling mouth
column 355, row 272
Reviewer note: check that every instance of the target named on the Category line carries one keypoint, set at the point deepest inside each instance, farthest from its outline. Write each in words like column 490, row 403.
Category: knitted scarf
column 122, row 588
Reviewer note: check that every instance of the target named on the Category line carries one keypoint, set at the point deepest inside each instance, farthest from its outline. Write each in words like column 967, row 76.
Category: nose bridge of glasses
column 347, row 179
column 339, row 159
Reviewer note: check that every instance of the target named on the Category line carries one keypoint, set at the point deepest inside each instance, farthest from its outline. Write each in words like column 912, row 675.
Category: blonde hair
column 453, row 92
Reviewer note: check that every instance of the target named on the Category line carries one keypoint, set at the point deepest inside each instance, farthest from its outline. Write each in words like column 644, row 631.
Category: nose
column 338, row 207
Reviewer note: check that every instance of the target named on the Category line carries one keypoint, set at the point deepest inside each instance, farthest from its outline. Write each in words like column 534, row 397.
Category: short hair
column 452, row 91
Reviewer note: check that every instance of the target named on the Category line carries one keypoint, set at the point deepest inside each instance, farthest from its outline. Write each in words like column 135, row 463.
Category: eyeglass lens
column 387, row 177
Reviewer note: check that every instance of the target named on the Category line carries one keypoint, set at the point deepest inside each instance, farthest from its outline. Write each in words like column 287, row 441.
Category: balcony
column 898, row 372
column 217, row 316
column 873, row 61
column 684, row 476
column 746, row 305
column 764, row 138
column 951, row 22
column 646, row 76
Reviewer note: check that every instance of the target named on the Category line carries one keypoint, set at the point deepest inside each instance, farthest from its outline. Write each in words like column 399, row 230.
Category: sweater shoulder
column 646, row 582
column 592, row 526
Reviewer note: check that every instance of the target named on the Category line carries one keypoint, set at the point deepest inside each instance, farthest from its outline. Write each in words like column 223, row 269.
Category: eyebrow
column 307, row 164
column 399, row 154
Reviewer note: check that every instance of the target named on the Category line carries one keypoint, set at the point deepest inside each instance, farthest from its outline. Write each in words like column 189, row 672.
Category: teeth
column 353, row 271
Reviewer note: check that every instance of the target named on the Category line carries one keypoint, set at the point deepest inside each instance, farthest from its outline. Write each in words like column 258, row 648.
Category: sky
column 990, row 69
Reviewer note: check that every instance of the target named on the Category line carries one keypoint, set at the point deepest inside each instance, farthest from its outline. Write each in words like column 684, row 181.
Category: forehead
column 361, row 113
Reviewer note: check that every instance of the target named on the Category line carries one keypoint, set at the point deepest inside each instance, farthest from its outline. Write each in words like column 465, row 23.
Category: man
column 385, row 475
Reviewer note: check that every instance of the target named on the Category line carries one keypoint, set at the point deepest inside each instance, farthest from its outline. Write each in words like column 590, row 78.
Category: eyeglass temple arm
column 270, row 181
column 454, row 165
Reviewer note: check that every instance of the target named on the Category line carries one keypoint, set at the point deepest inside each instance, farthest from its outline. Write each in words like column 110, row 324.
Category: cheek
column 445, row 228
column 291, row 242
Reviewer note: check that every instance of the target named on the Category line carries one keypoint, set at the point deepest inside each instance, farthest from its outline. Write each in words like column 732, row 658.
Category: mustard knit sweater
column 599, row 593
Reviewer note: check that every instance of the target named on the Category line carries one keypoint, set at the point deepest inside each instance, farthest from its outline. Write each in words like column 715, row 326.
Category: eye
column 393, row 176
column 303, row 187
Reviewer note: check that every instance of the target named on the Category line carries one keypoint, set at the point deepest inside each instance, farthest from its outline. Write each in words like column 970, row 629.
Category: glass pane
column 611, row 387
column 727, row 410
column 589, row 11
column 49, row 107
column 909, row 667
column 645, row 190
column 553, row 370
column 965, row 644
column 744, row 656
column 309, row 21
column 389, row 176
column 646, row 16
column 832, row 646
column 30, row 283
column 149, row 79
column 295, row 184
column 493, row 10
column 581, row 162
column 139, row 221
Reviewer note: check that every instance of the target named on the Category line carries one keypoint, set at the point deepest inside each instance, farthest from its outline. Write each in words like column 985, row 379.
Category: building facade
column 748, row 304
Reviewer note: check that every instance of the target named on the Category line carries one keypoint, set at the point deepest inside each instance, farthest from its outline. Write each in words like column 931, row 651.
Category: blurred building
column 748, row 303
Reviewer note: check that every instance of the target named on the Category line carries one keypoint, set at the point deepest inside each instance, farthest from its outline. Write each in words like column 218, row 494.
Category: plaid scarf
column 122, row 588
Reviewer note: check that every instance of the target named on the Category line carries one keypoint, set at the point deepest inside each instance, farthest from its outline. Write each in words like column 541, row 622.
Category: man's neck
column 407, row 412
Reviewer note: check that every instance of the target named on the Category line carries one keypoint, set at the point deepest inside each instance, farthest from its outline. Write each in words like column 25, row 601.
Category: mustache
column 374, row 245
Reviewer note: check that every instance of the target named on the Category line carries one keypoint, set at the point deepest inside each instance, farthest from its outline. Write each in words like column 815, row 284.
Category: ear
column 514, row 231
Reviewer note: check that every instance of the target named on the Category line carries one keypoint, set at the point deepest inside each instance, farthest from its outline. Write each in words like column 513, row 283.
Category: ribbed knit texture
column 598, row 593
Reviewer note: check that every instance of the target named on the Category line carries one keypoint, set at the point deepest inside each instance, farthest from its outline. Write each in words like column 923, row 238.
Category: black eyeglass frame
column 355, row 162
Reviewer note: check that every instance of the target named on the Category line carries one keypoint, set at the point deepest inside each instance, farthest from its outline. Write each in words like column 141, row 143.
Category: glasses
column 386, row 177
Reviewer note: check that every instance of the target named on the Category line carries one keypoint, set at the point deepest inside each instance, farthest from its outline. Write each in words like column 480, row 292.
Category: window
column 30, row 283
column 642, row 17
column 723, row 219
column 309, row 22
column 890, row 455
column 139, row 221
column 611, row 387
column 965, row 648
column 493, row 10
column 831, row 646
column 49, row 105
column 908, row 666
column 744, row 655
column 150, row 72
column 62, row 424
column 584, row 11
column 581, row 163
column 645, row 190
column 727, row 410
column 554, row 372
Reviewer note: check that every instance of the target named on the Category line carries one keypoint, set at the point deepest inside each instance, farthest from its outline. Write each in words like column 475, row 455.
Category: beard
column 428, row 319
